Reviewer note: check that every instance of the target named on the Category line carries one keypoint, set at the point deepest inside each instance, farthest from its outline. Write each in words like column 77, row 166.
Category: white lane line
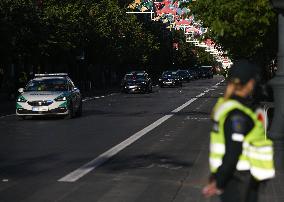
column 80, row 172
column 195, row 118
column 185, row 104
column 201, row 94
column 98, row 97
column 88, row 167
column 7, row 115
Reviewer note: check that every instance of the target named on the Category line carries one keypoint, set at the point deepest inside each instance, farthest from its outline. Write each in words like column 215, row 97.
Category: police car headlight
column 60, row 98
column 21, row 99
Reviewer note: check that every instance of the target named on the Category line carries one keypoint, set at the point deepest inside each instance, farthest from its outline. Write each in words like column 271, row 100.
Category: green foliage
column 58, row 30
column 19, row 29
column 244, row 28
column 188, row 55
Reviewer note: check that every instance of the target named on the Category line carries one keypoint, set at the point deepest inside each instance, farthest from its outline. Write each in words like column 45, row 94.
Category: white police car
column 49, row 94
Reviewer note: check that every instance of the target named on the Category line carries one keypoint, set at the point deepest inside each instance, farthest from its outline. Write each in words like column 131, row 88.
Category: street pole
column 277, row 128
column 276, row 132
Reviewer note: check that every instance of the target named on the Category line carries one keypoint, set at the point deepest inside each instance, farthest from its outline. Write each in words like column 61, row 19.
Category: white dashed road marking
column 7, row 115
column 88, row 167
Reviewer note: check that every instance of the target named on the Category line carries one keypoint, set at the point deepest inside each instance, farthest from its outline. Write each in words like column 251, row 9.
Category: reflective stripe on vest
column 257, row 154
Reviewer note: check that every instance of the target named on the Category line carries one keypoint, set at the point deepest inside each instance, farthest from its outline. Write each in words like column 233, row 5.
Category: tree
column 20, row 30
column 243, row 28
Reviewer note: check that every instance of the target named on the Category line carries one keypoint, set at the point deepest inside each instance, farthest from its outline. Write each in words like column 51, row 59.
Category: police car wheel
column 70, row 114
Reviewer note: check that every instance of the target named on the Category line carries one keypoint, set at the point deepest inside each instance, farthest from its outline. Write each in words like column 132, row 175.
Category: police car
column 49, row 94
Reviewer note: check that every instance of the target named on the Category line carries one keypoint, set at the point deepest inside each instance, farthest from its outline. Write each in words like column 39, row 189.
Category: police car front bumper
column 25, row 109
column 58, row 111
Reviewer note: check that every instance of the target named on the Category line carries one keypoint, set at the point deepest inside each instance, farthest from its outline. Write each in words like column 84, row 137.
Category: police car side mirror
column 21, row 90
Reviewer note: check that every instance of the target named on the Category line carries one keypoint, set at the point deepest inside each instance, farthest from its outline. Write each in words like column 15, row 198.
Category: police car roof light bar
column 50, row 75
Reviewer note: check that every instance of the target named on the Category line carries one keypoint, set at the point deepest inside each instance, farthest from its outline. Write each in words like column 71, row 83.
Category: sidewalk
column 272, row 191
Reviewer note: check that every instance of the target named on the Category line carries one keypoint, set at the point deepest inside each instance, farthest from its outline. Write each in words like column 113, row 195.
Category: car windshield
column 169, row 74
column 135, row 77
column 47, row 85
column 182, row 73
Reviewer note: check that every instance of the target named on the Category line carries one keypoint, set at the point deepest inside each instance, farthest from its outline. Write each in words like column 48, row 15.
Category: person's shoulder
column 237, row 113
column 239, row 121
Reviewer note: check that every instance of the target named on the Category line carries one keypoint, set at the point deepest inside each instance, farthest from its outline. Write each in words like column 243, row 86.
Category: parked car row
column 56, row 94
column 140, row 81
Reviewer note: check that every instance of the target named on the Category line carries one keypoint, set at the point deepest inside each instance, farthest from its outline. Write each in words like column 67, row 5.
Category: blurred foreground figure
column 241, row 157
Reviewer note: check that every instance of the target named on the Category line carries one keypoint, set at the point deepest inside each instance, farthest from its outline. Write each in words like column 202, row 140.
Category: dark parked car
column 170, row 79
column 206, row 72
column 194, row 73
column 184, row 75
column 136, row 81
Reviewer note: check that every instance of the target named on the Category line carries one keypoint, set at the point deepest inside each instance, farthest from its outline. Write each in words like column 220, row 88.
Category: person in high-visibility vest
column 241, row 156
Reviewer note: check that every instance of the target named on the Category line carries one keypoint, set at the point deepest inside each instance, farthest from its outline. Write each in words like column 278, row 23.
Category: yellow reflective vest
column 257, row 153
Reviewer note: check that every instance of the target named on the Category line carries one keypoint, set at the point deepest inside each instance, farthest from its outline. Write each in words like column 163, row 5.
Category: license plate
column 40, row 109
column 131, row 87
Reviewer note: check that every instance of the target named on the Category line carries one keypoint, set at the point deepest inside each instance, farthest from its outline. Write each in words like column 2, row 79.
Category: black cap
column 242, row 71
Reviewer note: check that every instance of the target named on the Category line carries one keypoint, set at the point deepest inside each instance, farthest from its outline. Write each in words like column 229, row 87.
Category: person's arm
column 237, row 126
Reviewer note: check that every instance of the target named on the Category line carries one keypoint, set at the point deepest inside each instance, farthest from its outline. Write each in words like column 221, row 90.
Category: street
column 128, row 88
column 169, row 163
column 125, row 148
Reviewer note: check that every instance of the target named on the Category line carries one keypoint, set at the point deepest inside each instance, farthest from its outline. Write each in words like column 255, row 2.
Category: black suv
column 184, row 75
column 170, row 78
column 194, row 73
column 136, row 81
column 206, row 72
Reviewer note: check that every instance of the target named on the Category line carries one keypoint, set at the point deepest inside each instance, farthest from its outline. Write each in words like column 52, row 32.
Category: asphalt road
column 160, row 161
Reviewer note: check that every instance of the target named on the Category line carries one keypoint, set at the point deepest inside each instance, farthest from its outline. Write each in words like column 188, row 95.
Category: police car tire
column 70, row 114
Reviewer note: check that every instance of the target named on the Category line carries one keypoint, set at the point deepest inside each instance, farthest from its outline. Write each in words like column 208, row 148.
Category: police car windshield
column 47, row 85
